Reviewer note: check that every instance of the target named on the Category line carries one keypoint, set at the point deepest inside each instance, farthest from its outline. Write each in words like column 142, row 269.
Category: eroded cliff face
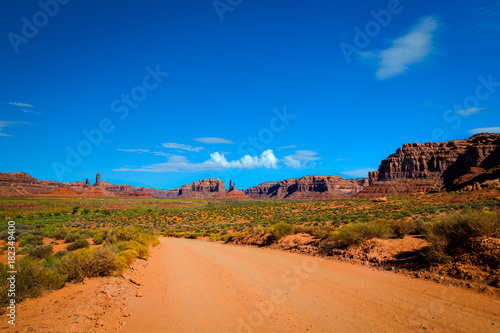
column 436, row 166
column 206, row 188
column 307, row 188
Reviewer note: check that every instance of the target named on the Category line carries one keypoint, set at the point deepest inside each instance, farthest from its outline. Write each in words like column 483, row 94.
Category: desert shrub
column 102, row 262
column 41, row 251
column 214, row 237
column 32, row 279
column 60, row 254
column 98, row 239
column 280, row 230
column 356, row 234
column 320, row 232
column 122, row 234
column 403, row 228
column 78, row 244
column 70, row 238
column 449, row 233
column 60, row 234
column 142, row 250
column 129, row 256
column 26, row 249
column 39, row 232
column 85, row 263
column 31, row 240
column 259, row 230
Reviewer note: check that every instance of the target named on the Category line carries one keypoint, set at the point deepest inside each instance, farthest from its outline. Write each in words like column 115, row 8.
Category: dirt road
column 197, row 286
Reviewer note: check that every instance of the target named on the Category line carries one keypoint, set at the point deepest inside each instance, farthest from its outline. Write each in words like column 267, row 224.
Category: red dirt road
column 198, row 286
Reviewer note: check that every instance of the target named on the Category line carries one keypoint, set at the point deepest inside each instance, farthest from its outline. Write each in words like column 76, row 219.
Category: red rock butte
column 431, row 167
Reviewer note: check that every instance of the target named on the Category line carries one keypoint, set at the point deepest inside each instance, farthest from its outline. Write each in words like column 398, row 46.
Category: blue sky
column 161, row 93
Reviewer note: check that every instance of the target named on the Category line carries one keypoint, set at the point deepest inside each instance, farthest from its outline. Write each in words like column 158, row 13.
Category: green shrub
column 98, row 239
column 448, row 234
column 60, row 254
column 32, row 279
column 70, row 238
column 129, row 256
column 41, row 251
column 60, row 234
column 280, row 230
column 78, row 244
column 31, row 240
column 403, row 228
column 356, row 234
column 85, row 263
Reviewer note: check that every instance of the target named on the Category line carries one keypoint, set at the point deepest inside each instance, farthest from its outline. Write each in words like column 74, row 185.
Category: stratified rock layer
column 308, row 188
column 437, row 166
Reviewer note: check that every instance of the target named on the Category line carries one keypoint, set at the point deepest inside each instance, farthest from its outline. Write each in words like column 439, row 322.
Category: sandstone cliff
column 437, row 166
column 307, row 188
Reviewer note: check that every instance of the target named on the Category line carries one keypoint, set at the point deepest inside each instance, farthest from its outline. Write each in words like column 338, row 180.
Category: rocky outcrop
column 204, row 189
column 308, row 188
column 432, row 166
column 234, row 195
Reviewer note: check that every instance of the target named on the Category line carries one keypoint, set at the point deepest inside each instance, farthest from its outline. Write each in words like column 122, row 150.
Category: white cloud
column 21, row 104
column 495, row 129
column 342, row 159
column 469, row 111
column 29, row 111
column 213, row 140
column 292, row 162
column 173, row 145
column 4, row 123
column 300, row 158
column 361, row 173
column 287, row 147
column 140, row 151
column 217, row 161
column 306, row 155
column 409, row 49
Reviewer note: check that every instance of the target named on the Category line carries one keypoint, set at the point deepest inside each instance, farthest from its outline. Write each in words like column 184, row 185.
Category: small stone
column 135, row 280
column 99, row 322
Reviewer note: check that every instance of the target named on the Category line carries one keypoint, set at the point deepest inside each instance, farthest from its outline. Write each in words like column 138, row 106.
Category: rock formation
column 234, row 195
column 87, row 182
column 231, row 185
column 432, row 166
column 97, row 179
column 20, row 184
column 308, row 188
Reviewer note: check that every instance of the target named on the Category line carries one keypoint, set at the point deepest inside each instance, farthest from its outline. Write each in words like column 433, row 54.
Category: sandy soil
column 198, row 286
